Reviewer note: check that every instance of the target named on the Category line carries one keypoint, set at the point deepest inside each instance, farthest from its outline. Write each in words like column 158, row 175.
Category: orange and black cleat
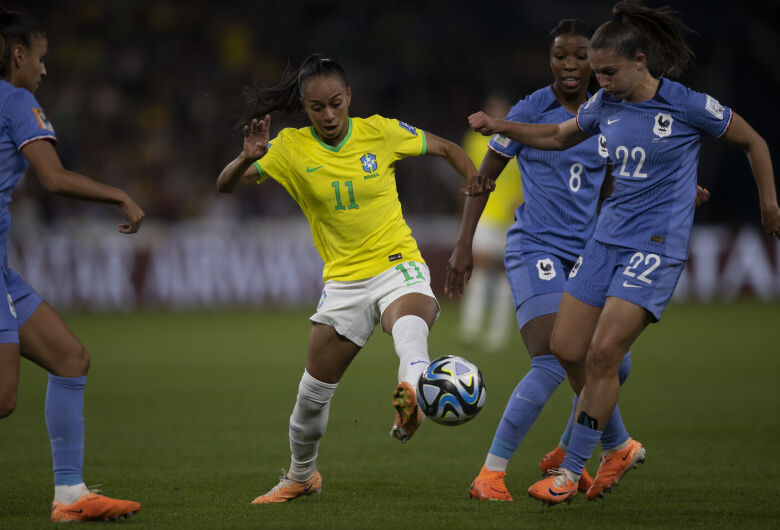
column 289, row 489
column 489, row 486
column 614, row 465
column 554, row 459
column 560, row 486
column 408, row 415
column 93, row 507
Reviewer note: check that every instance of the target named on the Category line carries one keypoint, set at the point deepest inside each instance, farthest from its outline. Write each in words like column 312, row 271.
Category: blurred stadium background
column 144, row 95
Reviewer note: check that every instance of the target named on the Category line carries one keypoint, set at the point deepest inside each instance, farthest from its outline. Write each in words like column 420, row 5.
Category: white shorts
column 490, row 239
column 354, row 308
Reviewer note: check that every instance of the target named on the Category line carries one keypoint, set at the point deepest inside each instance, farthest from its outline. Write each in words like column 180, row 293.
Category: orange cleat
column 554, row 459
column 489, row 486
column 92, row 507
column 558, row 487
column 408, row 415
column 289, row 489
column 614, row 464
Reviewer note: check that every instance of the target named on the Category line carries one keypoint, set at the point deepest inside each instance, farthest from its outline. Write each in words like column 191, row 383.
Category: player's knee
column 602, row 360
column 75, row 363
column 7, row 405
column 560, row 347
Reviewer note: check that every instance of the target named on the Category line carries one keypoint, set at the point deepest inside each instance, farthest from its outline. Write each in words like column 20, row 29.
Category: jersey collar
column 341, row 143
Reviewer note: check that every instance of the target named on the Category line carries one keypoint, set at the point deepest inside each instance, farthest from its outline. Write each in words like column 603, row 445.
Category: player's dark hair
column 286, row 95
column 15, row 28
column 570, row 26
column 658, row 33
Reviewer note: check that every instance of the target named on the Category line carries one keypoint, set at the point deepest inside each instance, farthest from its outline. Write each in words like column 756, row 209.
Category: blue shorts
column 537, row 278
column 645, row 279
column 18, row 301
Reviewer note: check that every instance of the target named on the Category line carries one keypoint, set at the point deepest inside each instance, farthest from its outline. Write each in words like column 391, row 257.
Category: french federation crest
column 369, row 162
column 603, row 151
column 546, row 269
column 663, row 125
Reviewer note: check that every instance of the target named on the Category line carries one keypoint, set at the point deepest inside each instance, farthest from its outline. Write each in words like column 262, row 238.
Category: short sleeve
column 275, row 163
column 589, row 113
column 404, row 139
column 706, row 114
column 26, row 118
column 519, row 113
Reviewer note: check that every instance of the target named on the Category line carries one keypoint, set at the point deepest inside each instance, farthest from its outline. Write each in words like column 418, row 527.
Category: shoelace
column 561, row 476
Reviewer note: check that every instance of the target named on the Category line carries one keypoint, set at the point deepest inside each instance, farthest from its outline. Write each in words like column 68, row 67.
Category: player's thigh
column 397, row 294
column 537, row 333
column 47, row 341
column 574, row 326
column 619, row 325
column 9, row 377
column 329, row 354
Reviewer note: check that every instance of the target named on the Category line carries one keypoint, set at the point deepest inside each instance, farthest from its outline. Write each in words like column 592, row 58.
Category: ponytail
column 15, row 28
column 658, row 33
column 286, row 95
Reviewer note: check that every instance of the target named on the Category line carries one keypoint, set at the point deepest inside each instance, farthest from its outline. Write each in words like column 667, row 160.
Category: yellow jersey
column 348, row 192
column 508, row 195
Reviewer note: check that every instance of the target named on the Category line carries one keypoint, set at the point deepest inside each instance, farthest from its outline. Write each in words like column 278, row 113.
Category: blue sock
column 526, row 403
column 625, row 368
column 583, row 442
column 614, row 432
column 65, row 422
column 566, row 436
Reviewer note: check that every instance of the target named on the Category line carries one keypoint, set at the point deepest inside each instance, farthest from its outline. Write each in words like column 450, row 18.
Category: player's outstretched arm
column 55, row 178
column 460, row 161
column 544, row 136
column 240, row 172
column 461, row 262
column 741, row 134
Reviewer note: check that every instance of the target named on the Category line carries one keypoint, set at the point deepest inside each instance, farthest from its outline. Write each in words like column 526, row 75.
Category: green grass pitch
column 187, row 413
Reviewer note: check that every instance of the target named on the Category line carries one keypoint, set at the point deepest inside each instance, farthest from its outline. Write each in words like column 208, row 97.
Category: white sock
column 307, row 425
column 410, row 335
column 496, row 463
column 70, row 494
column 502, row 313
column 472, row 308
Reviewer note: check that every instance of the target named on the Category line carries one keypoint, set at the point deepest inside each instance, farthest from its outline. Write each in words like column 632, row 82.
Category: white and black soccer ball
column 451, row 390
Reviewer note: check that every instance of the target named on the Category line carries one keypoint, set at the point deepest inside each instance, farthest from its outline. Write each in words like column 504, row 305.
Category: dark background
column 144, row 94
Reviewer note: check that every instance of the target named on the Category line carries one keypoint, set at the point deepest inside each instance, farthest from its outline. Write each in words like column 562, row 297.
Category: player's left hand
column 478, row 185
column 702, row 195
column 459, row 269
column 770, row 220
column 482, row 123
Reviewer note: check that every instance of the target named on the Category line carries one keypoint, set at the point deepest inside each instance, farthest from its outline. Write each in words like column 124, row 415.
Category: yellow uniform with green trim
column 348, row 192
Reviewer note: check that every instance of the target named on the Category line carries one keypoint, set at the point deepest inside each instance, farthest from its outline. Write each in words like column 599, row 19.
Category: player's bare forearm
column 239, row 172
column 543, row 136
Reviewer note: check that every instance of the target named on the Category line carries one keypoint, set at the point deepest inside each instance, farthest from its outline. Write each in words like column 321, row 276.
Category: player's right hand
column 459, row 269
column 256, row 137
column 770, row 219
column 482, row 123
column 134, row 215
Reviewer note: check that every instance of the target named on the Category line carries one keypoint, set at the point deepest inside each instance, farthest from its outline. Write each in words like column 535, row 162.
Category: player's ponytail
column 658, row 33
column 15, row 28
column 286, row 96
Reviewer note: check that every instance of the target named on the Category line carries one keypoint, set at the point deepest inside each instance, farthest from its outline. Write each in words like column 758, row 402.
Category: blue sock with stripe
column 581, row 445
column 525, row 404
column 65, row 423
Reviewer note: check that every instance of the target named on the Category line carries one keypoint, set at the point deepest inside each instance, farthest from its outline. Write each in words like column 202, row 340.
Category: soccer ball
column 451, row 391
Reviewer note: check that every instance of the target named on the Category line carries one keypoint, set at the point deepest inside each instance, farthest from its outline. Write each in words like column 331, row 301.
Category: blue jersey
column 561, row 188
column 23, row 121
column 655, row 148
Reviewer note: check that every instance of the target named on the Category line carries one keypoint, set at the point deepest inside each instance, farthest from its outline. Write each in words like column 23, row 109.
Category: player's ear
column 349, row 95
column 640, row 61
column 17, row 53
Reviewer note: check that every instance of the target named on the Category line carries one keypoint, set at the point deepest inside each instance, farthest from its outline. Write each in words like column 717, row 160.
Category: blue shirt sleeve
column 502, row 145
column 589, row 114
column 706, row 114
column 26, row 118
